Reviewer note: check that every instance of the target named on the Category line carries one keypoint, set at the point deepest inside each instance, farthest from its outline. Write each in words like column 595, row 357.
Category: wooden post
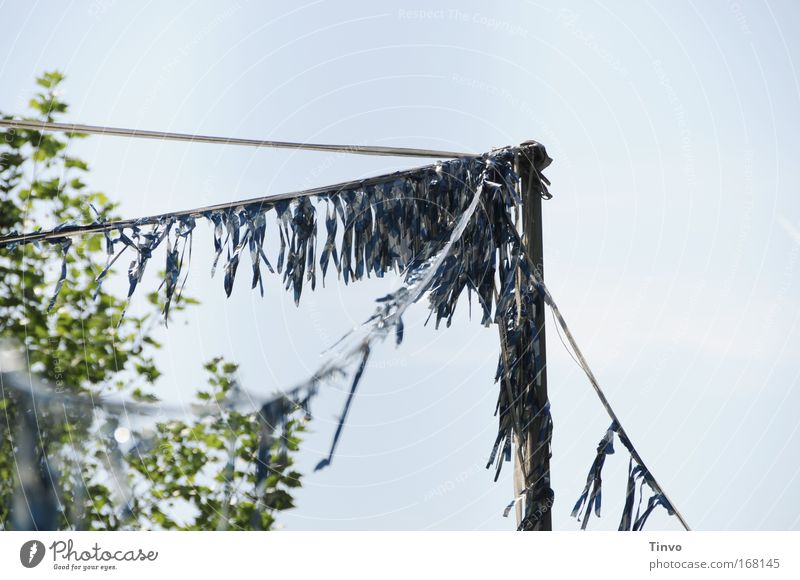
column 531, row 161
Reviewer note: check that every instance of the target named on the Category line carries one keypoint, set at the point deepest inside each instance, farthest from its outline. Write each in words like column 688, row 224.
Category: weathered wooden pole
column 534, row 512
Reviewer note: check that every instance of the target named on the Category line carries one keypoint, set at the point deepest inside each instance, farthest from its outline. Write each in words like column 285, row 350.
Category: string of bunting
column 591, row 496
column 39, row 498
column 446, row 228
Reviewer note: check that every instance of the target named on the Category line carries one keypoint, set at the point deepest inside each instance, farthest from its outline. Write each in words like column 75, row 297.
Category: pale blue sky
column 671, row 243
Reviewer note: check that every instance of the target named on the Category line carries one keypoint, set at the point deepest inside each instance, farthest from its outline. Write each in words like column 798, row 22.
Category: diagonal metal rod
column 166, row 136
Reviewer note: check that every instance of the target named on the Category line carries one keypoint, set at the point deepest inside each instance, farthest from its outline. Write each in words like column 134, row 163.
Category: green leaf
column 75, row 163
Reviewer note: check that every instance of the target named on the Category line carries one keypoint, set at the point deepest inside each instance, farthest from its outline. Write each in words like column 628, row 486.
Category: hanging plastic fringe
column 65, row 245
column 406, row 223
column 430, row 275
column 594, row 482
column 448, row 227
column 636, row 473
column 36, row 504
column 275, row 412
column 525, row 423
column 637, row 470
column 386, row 224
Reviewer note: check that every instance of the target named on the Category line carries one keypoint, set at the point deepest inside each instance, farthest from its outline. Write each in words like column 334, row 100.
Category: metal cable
column 167, row 136
column 579, row 358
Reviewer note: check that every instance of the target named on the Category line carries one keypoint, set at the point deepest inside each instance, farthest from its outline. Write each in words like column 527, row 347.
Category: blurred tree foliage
column 173, row 474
